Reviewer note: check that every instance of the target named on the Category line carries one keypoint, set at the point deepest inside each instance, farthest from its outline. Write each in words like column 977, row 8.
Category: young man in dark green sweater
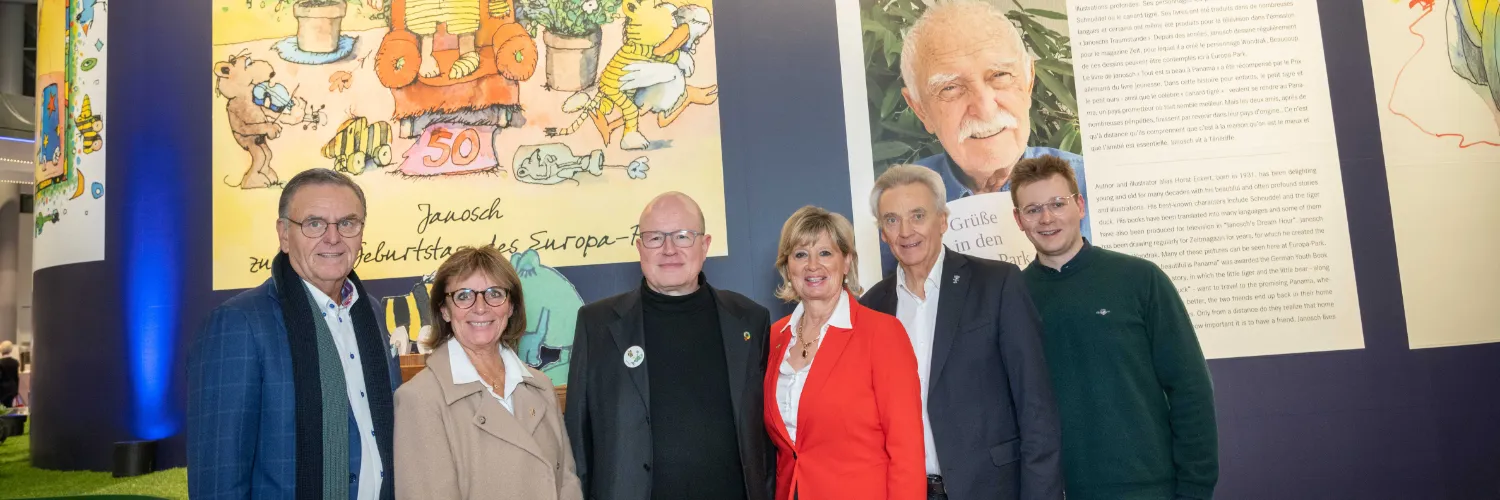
column 1132, row 387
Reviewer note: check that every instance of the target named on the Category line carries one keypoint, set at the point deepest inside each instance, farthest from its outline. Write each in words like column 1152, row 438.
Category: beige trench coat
column 458, row 442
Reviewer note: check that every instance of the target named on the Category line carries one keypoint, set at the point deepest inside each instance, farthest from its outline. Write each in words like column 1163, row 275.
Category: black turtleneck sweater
column 696, row 451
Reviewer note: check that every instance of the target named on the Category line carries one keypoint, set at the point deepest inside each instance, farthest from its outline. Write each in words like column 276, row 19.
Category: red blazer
column 859, row 423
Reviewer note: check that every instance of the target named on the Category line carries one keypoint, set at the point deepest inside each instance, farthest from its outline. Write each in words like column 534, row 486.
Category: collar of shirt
column 839, row 318
column 1079, row 260
column 932, row 283
column 464, row 372
column 349, row 293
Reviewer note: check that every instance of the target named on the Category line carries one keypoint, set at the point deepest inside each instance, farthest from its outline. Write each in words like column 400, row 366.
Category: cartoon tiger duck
column 655, row 32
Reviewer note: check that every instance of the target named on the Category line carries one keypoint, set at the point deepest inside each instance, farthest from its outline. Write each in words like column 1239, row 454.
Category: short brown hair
column 1041, row 168
column 464, row 262
column 803, row 228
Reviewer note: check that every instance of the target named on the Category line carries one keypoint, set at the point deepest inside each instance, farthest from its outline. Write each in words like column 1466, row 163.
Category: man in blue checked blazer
column 290, row 384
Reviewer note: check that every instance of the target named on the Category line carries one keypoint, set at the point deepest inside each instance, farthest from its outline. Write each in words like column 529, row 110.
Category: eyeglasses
column 315, row 227
column 1056, row 205
column 681, row 238
column 464, row 298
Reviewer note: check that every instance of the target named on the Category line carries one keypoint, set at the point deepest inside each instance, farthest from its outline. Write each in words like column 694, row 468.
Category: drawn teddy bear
column 254, row 107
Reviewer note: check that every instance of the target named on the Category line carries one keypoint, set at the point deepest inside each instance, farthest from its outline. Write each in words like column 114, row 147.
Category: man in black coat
column 991, row 422
column 665, row 390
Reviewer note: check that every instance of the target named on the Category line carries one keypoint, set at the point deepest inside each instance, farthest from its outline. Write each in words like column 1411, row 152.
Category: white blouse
column 464, row 372
column 790, row 381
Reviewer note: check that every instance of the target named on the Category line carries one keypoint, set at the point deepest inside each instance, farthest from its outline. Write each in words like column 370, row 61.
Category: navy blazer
column 989, row 395
column 241, row 412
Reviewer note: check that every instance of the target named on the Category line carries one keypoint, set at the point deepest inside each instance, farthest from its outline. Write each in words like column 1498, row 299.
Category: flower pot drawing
column 572, row 62
column 319, row 24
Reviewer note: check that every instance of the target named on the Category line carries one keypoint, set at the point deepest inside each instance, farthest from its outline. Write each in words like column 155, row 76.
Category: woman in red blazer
column 843, row 401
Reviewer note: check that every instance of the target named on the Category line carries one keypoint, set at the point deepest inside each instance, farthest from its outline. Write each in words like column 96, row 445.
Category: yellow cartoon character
column 651, row 35
column 90, row 126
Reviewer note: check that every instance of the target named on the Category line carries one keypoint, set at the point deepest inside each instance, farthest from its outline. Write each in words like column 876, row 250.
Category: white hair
column 902, row 175
column 919, row 29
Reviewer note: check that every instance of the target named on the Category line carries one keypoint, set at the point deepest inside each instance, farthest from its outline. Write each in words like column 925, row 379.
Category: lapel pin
column 533, row 412
column 747, row 336
column 634, row 356
column 955, row 279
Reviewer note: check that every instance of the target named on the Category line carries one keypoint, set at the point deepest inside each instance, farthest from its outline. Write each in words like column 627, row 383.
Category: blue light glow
column 16, row 139
column 150, row 289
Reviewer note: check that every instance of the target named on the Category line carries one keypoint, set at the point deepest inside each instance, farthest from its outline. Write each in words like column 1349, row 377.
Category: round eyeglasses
column 315, row 227
column 681, row 238
column 1033, row 212
column 465, row 298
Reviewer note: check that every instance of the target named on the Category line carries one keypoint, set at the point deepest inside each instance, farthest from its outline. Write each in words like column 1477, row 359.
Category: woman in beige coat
column 477, row 423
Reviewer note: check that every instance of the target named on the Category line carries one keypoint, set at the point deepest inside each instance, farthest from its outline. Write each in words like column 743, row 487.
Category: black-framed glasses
column 315, row 227
column 465, row 298
column 1033, row 212
column 681, row 238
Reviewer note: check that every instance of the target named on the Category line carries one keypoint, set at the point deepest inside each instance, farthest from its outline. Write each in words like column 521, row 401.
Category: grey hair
column 317, row 177
column 919, row 29
column 902, row 175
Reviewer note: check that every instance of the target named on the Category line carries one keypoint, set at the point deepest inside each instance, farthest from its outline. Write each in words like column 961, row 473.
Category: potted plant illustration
column 572, row 35
column 319, row 23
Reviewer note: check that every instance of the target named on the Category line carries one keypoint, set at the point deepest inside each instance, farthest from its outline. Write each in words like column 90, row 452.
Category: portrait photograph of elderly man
column 968, row 88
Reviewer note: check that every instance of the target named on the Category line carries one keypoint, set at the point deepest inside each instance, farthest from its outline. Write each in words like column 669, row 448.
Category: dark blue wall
column 1382, row 422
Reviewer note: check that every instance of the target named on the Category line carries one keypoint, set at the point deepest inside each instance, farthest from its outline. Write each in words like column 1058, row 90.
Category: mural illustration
column 70, row 141
column 552, row 305
column 1457, row 50
column 462, row 121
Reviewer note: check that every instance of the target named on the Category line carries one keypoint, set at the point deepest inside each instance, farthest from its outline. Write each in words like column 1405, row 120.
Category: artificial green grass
column 18, row 479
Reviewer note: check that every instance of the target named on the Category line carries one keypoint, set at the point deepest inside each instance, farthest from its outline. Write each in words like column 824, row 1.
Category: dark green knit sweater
column 1132, row 388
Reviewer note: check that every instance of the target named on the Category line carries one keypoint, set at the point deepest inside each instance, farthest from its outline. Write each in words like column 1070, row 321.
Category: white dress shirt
column 341, row 325
column 464, row 372
column 919, row 316
column 790, row 381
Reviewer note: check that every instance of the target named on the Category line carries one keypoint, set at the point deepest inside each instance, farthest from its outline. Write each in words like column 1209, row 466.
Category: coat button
column 481, row 420
column 647, row 466
column 558, row 466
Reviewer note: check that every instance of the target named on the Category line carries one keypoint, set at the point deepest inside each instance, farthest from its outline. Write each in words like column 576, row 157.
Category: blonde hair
column 803, row 228
column 6, row 347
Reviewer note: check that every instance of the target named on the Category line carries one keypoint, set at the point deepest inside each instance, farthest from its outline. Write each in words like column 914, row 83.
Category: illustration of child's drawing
column 1454, row 50
column 1473, row 51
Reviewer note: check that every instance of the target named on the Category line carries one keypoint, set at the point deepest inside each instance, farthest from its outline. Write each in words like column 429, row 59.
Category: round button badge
column 634, row 356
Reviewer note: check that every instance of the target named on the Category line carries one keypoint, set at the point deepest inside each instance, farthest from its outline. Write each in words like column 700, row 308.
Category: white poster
column 1210, row 151
column 984, row 225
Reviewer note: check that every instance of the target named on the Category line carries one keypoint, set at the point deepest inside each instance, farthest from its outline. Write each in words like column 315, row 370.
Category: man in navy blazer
column 991, row 425
column 279, row 370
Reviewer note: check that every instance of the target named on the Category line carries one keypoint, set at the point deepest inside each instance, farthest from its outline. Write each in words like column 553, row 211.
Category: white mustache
column 970, row 128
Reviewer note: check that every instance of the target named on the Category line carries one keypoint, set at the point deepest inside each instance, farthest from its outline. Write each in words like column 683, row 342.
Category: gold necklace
column 801, row 330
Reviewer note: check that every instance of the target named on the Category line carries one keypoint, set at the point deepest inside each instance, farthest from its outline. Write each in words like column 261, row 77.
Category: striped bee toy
column 359, row 143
